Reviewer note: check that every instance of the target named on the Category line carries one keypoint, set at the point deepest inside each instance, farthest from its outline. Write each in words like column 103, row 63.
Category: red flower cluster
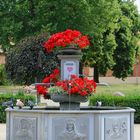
column 68, row 37
column 41, row 89
column 75, row 85
column 52, row 78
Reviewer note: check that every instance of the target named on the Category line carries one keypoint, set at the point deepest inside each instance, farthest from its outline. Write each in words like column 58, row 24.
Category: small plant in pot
column 55, row 90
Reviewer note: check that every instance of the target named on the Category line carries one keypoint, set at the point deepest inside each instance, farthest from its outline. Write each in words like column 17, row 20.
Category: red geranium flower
column 66, row 38
column 41, row 89
column 76, row 85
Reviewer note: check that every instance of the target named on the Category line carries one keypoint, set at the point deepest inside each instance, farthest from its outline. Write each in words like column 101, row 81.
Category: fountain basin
column 88, row 123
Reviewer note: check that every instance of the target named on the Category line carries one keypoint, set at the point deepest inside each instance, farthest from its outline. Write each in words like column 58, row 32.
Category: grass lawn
column 124, row 88
column 10, row 89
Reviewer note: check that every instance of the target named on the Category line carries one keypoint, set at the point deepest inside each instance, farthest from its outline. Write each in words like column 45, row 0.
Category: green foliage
column 126, row 39
column 114, row 44
column 3, row 77
column 18, row 20
column 107, row 61
column 7, row 97
column 130, row 100
column 103, row 44
column 63, row 14
column 25, row 18
column 28, row 62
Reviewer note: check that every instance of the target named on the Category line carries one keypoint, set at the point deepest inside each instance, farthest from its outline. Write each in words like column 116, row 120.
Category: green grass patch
column 124, row 88
column 11, row 87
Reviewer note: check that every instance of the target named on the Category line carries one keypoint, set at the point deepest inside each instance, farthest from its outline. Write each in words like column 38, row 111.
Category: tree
column 28, row 62
column 98, row 19
column 88, row 16
column 115, row 48
column 101, row 20
column 103, row 43
column 126, row 39
column 19, row 19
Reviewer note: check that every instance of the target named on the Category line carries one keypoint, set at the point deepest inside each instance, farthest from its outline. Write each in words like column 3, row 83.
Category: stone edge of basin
column 89, row 109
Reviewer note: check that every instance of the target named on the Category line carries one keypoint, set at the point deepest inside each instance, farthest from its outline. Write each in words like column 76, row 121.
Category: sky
column 138, row 4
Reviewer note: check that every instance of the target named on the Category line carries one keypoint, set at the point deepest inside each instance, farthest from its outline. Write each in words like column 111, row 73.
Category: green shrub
column 28, row 61
column 3, row 77
column 7, row 97
column 130, row 100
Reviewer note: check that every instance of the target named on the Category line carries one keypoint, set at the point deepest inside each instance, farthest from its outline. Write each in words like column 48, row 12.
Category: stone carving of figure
column 24, row 132
column 118, row 129
column 70, row 132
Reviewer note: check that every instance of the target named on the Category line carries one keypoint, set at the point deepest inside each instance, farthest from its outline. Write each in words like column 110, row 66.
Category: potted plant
column 69, row 93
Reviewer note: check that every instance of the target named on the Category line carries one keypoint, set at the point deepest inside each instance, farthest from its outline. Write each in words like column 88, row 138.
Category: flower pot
column 70, row 51
column 68, row 102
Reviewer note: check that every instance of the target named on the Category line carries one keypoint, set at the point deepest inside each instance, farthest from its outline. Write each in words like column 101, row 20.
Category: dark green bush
column 131, row 100
column 7, row 97
column 28, row 62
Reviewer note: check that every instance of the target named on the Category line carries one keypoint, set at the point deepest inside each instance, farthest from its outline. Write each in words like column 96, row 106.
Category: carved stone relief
column 70, row 129
column 25, row 128
column 116, row 128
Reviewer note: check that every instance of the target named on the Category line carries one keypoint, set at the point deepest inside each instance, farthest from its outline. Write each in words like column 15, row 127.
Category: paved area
column 3, row 132
column 113, row 80
column 137, row 132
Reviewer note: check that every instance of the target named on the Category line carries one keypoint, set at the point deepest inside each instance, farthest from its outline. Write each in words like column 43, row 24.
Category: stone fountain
column 88, row 123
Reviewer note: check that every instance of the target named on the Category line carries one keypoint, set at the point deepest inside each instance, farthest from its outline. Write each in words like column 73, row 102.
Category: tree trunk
column 96, row 74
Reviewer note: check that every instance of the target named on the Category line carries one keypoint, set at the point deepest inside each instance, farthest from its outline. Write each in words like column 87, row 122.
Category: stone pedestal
column 69, row 65
column 89, row 123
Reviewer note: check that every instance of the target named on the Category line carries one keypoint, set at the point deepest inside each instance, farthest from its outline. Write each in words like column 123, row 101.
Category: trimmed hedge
column 6, row 97
column 130, row 100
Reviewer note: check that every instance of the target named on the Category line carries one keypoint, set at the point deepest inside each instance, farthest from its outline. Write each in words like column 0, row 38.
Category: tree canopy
column 116, row 47
column 126, row 38
column 111, row 25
